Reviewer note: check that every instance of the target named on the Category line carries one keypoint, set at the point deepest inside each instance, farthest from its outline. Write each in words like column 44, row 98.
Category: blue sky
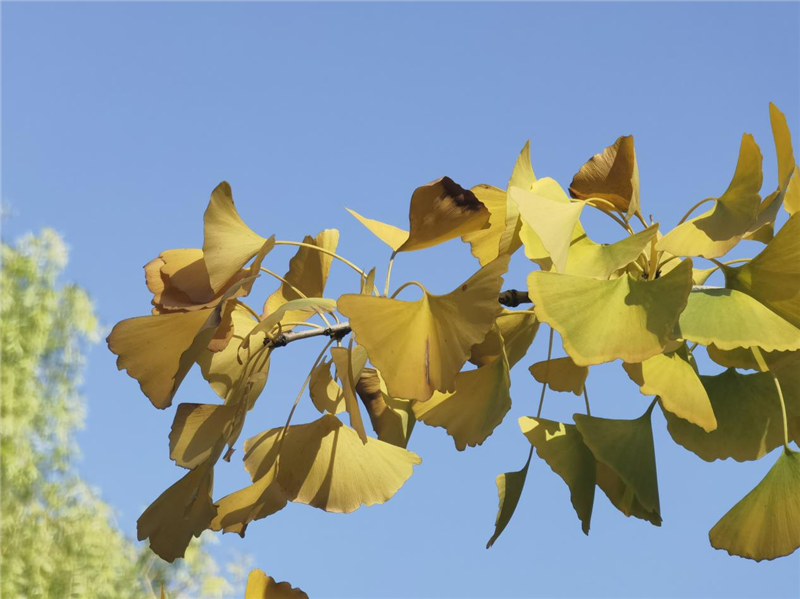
column 118, row 119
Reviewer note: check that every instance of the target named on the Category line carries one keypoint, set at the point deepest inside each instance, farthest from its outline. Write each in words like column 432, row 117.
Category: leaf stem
column 249, row 309
column 586, row 398
column 389, row 273
column 284, row 281
column 693, row 208
column 546, row 373
column 762, row 364
column 409, row 283
column 615, row 218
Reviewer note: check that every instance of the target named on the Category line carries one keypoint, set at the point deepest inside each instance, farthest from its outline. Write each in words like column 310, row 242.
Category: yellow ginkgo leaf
column 743, row 358
column 522, row 175
column 501, row 236
column 349, row 364
column 518, row 330
column 326, row 394
column 701, row 275
column 731, row 319
column 388, row 234
column 420, row 346
column 791, row 200
column 534, row 249
column 477, row 406
column 599, row 261
column 715, row 232
column 326, row 465
column 765, row 524
column 229, row 243
column 179, row 280
column 562, row 447
column 308, row 274
column 772, row 276
column 509, row 491
column 270, row 324
column 626, row 448
column 561, row 374
column 182, row 511
column 600, row 321
column 196, row 430
column 672, row 378
column 392, row 419
column 256, row 501
column 261, row 586
column 613, row 176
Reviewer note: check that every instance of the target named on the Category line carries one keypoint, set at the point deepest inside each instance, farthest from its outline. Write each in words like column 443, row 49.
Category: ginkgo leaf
column 730, row 319
column 715, row 232
column 179, row 280
column 477, row 406
column 420, row 346
column 326, row 394
column 326, row 465
column 743, row 358
column 622, row 495
column 612, row 175
column 392, row 419
column 600, row 321
column 599, row 261
column 626, row 448
column 196, row 430
column 308, row 305
column 182, row 511
column 749, row 420
column 672, row 378
column 791, row 200
column 534, row 249
column 765, row 524
column 561, row 374
column 509, row 491
column 308, row 274
column 368, row 282
column 261, row 586
column 499, row 237
column 701, row 275
column 228, row 243
column 522, row 175
column 518, row 330
column 256, row 501
column 773, row 276
column 388, row 234
column 349, row 364
column 562, row 447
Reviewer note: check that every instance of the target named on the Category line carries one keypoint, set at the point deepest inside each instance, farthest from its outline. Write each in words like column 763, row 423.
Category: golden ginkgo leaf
column 388, row 234
column 349, row 364
column 600, row 321
column 715, row 232
column 182, row 511
column 792, row 199
column 562, row 447
column 509, row 491
column 196, row 430
column 256, row 501
column 626, row 448
column 392, row 419
column 420, row 346
column 228, row 242
column 672, row 378
column 765, row 524
column 270, row 324
column 612, row 175
column 513, row 332
column 326, row 394
column 179, row 280
column 587, row 258
column 561, row 374
column 772, row 276
column 261, row 586
column 748, row 414
column 326, row 465
column 477, row 406
column 501, row 236
column 701, row 275
column 731, row 319
column 522, row 175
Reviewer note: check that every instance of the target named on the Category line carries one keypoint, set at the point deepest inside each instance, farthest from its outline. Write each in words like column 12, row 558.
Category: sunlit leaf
column 562, row 447
column 309, row 305
column 256, row 501
column 326, row 394
column 791, row 200
column 518, row 330
column 196, row 430
column 600, row 321
column 509, row 491
column 388, row 234
column 179, row 280
column 589, row 259
column 349, row 365
column 326, row 465
column 392, row 419
column 420, row 346
column 766, row 523
column 261, row 586
column 501, row 236
column 561, row 374
column 715, row 232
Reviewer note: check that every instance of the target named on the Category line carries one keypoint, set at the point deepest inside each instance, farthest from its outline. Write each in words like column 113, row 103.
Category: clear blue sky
column 118, row 119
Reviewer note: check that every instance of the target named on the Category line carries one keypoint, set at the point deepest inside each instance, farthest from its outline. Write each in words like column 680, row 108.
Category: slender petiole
column 586, row 398
column 546, row 372
column 404, row 285
column 389, row 274
column 695, row 207
column 762, row 364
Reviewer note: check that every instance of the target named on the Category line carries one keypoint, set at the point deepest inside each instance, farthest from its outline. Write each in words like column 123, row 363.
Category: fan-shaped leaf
column 392, row 419
column 501, row 236
column 388, row 234
column 261, row 586
column 561, row 374
column 254, row 502
column 196, row 431
column 349, row 364
column 509, row 491
column 326, row 394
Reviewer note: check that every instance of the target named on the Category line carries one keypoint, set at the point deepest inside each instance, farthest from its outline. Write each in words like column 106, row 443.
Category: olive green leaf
column 349, row 364
column 420, row 346
column 562, row 447
column 256, row 501
column 261, row 586
column 743, row 358
column 326, row 465
column 792, row 199
column 600, row 321
column 561, row 374
column 392, row 419
column 326, row 394
column 509, row 491
column 766, row 523
column 715, row 232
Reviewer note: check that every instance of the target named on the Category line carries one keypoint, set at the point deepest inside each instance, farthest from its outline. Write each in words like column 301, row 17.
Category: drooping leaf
column 392, row 419
column 326, row 465
column 600, row 321
column 501, row 236
column 388, row 234
column 256, row 501
column 509, row 491
column 196, row 431
column 349, row 364
column 743, row 358
column 518, row 330
column 326, row 394
column 792, row 199
column 715, row 232
column 179, row 280
column 766, row 523
column 420, row 346
column 562, row 447
column 261, row 586
column 561, row 374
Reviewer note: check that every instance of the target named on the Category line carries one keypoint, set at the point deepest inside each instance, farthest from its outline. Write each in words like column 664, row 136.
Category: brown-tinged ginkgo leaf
column 715, row 232
column 326, row 465
column 420, row 346
column 561, row 374
column 731, row 319
column 261, row 586
column 182, row 511
column 196, row 430
column 477, row 406
column 501, row 236
column 612, row 175
column 509, row 491
column 562, row 447
column 673, row 379
column 600, row 321
column 765, row 524
column 392, row 419
column 256, row 501
column 326, row 394
column 349, row 364
column 773, row 276
column 626, row 448
column 791, row 200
